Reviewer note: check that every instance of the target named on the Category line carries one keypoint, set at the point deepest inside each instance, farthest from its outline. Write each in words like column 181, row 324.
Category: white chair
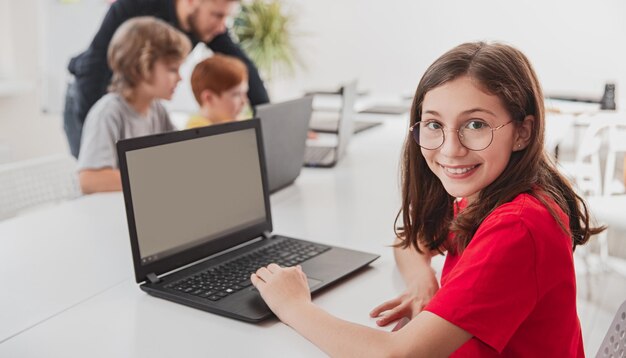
column 614, row 343
column 617, row 145
column 558, row 127
column 30, row 183
column 585, row 171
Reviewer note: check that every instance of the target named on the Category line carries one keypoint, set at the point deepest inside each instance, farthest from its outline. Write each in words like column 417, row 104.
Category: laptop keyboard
column 316, row 154
column 231, row 276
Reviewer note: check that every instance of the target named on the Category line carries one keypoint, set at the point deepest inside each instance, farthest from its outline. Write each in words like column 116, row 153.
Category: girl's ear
column 524, row 132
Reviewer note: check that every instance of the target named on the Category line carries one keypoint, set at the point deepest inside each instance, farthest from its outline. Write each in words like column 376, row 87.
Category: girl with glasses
column 477, row 187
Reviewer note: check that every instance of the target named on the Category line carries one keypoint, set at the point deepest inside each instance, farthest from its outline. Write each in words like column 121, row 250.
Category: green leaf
column 264, row 33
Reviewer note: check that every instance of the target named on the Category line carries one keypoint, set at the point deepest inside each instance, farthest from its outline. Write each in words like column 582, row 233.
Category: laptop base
column 246, row 304
column 330, row 126
column 320, row 157
column 386, row 109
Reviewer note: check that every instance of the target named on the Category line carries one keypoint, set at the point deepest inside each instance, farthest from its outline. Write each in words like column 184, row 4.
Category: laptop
column 328, row 121
column 386, row 109
column 285, row 126
column 199, row 221
column 331, row 92
column 328, row 156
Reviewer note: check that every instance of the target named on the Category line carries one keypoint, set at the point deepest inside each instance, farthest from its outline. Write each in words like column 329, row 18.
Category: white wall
column 6, row 57
column 66, row 29
column 576, row 46
column 24, row 132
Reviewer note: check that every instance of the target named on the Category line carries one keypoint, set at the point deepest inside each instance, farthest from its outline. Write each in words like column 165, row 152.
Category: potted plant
column 264, row 32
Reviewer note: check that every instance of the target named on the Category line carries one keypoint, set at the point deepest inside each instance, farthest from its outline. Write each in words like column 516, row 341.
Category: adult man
column 201, row 20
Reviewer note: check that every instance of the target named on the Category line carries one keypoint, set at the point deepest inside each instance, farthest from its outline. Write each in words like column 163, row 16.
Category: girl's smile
column 459, row 171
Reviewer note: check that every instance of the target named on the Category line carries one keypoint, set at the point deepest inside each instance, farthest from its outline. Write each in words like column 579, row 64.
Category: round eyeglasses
column 474, row 134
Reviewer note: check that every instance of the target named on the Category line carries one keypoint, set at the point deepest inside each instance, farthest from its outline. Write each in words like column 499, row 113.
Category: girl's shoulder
column 529, row 205
column 529, row 211
column 523, row 204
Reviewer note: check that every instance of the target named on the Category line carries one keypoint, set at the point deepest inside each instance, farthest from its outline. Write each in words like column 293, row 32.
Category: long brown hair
column 427, row 209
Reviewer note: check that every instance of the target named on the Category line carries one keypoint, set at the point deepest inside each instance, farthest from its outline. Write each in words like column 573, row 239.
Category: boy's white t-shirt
column 112, row 119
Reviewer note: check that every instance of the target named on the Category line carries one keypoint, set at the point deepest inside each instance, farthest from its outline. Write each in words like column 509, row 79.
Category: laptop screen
column 346, row 122
column 190, row 192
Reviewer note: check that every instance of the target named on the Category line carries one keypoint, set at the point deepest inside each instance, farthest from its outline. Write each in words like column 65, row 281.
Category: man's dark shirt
column 93, row 74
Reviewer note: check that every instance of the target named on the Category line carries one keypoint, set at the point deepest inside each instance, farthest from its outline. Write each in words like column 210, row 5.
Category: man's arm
column 99, row 180
column 257, row 94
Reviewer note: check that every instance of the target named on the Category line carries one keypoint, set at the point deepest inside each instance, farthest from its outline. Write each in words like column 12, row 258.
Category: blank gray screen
column 189, row 192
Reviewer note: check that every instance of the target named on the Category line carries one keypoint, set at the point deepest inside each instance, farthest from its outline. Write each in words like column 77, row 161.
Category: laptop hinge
column 153, row 278
column 267, row 235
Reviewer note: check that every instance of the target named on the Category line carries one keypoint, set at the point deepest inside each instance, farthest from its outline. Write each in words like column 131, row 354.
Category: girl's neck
column 140, row 102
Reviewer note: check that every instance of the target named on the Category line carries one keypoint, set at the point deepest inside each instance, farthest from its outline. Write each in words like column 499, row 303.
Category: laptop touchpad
column 313, row 282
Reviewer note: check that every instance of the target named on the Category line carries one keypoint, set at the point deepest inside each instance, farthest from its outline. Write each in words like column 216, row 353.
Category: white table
column 80, row 280
column 55, row 258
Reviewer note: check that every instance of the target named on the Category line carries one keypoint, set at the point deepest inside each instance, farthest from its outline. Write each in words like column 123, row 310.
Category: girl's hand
column 410, row 303
column 282, row 288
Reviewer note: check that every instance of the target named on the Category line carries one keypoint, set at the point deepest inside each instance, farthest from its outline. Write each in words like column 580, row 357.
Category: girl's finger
column 392, row 315
column 385, row 306
column 256, row 280
column 273, row 267
column 263, row 273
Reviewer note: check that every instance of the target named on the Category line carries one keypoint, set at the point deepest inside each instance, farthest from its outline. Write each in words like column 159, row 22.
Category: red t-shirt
column 514, row 288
